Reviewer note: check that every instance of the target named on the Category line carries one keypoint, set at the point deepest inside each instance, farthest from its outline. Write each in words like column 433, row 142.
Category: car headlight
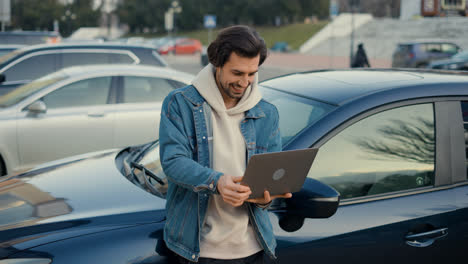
column 453, row 66
column 26, row 261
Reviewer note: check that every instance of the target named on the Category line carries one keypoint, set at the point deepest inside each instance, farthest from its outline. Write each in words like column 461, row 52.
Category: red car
column 182, row 46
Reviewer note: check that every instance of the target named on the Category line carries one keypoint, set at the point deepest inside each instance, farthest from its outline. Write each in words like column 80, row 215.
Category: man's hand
column 267, row 198
column 233, row 193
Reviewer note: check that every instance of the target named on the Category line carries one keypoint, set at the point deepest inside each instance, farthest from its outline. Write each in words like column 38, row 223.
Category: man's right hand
column 233, row 193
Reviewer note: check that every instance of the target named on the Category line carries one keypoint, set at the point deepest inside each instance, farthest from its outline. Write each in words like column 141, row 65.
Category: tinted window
column 433, row 48
column 465, row 124
column 291, row 123
column 389, row 151
column 32, row 68
column 145, row 89
column 86, row 58
column 82, row 93
column 449, row 48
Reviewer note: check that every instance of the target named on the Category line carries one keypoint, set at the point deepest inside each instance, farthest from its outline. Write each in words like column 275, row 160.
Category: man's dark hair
column 242, row 40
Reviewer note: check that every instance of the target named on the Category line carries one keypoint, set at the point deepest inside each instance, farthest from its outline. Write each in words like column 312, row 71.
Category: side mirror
column 2, row 78
column 315, row 200
column 37, row 107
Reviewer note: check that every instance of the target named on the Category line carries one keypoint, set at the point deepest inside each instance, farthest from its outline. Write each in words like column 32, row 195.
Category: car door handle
column 426, row 238
column 95, row 114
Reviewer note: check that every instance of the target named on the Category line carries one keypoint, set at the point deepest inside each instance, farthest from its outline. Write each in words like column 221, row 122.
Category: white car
column 82, row 109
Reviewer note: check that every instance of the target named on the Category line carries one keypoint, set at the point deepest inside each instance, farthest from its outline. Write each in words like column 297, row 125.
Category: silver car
column 82, row 109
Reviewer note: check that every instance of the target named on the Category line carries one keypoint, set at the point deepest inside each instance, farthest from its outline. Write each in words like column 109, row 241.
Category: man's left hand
column 267, row 198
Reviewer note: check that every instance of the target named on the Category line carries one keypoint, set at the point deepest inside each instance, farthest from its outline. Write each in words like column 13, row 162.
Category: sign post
column 210, row 22
column 5, row 13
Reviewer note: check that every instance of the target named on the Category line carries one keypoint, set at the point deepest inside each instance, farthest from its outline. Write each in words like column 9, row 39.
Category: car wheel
column 422, row 65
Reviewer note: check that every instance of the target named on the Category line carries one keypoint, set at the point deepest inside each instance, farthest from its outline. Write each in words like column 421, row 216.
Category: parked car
column 392, row 143
column 7, row 48
column 458, row 61
column 82, row 109
column 29, row 63
column 420, row 54
column 29, row 37
column 181, row 46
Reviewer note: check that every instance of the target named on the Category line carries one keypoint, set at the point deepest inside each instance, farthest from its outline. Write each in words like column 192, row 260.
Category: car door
column 79, row 119
column 398, row 200
column 139, row 108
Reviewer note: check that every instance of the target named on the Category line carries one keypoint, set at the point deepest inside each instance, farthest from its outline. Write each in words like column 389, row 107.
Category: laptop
column 278, row 172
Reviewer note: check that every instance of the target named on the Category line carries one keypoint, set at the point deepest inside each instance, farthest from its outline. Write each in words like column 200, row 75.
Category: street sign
column 209, row 21
column 333, row 8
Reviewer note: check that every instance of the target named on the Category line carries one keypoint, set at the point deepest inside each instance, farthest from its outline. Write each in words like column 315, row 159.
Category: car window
column 81, row 93
column 433, row 47
column 449, row 48
column 465, row 124
column 145, row 89
column 32, row 68
column 288, row 106
column 28, row 89
column 86, row 58
column 386, row 152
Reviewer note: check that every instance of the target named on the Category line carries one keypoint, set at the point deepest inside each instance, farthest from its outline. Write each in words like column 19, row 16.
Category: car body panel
column 367, row 229
column 45, row 188
column 67, row 131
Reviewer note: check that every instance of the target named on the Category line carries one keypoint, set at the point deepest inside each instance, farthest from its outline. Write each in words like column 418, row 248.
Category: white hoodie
column 227, row 233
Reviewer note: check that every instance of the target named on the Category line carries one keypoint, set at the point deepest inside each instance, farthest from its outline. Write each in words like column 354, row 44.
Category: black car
column 29, row 63
column 392, row 143
column 458, row 61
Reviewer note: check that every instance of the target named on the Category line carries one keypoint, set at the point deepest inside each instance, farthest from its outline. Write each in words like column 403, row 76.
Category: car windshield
column 462, row 55
column 291, row 123
column 26, row 90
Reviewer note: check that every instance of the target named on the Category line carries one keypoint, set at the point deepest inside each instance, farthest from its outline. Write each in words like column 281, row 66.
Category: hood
column 70, row 199
column 206, row 85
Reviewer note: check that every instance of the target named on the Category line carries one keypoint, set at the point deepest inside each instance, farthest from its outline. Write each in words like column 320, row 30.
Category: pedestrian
column 208, row 131
column 360, row 59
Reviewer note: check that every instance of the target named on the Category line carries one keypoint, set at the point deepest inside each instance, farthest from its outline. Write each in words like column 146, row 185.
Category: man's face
column 235, row 76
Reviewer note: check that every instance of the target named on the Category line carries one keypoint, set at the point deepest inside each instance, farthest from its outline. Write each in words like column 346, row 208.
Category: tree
column 35, row 14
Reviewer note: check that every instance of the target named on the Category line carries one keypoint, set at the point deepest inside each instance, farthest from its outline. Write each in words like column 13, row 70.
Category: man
column 208, row 131
column 360, row 59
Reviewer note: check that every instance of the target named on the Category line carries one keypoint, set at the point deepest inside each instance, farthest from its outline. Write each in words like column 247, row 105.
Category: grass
column 294, row 34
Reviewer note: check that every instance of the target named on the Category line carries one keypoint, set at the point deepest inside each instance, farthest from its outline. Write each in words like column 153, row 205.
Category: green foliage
column 149, row 14
column 40, row 15
column 35, row 14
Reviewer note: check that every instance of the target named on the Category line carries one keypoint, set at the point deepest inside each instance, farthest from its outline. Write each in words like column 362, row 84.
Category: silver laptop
column 278, row 172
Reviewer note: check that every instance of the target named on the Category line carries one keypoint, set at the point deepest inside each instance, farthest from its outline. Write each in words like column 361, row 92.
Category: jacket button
column 201, row 110
column 193, row 256
column 211, row 186
column 204, row 137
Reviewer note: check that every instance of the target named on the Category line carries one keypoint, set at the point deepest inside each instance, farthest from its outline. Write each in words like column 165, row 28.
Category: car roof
column 338, row 87
column 435, row 41
column 84, row 45
column 121, row 69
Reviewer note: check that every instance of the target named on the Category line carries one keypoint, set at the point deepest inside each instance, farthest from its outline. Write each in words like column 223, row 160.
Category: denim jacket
column 185, row 158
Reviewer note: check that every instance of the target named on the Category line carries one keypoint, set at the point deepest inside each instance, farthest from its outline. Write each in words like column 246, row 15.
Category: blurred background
column 45, row 106
column 301, row 34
